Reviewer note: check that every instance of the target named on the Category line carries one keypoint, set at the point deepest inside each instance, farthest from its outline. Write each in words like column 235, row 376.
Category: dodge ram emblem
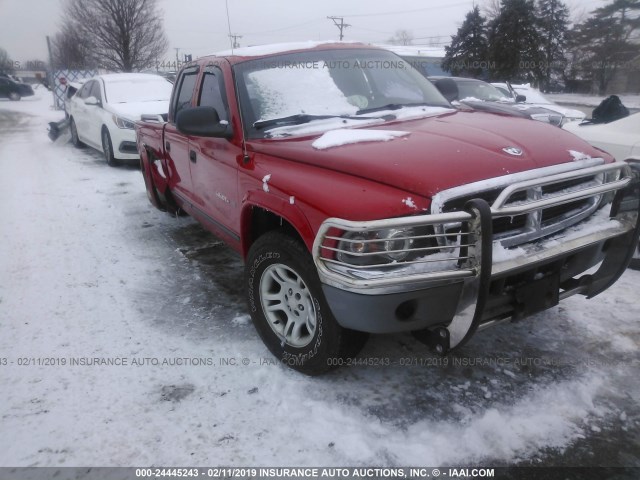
column 515, row 151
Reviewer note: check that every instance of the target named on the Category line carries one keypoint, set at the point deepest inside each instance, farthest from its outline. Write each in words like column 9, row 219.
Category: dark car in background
column 485, row 97
column 13, row 90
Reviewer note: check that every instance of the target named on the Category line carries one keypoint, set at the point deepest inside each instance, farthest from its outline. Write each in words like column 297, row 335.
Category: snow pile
column 410, row 203
column 265, row 183
column 337, row 138
column 577, row 156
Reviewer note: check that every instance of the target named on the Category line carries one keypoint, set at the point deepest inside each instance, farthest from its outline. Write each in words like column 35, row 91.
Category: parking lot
column 127, row 341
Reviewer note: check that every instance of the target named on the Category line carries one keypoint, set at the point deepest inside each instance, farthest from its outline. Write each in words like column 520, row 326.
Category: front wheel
column 107, row 147
column 289, row 310
column 75, row 139
column 14, row 96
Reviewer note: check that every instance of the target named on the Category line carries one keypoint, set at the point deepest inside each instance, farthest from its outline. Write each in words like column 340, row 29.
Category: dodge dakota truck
column 362, row 202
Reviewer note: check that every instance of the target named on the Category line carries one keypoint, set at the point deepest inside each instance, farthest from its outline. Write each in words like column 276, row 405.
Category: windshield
column 315, row 85
column 138, row 90
column 480, row 91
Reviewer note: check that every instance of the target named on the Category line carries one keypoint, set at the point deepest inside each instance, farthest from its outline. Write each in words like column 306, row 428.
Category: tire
column 107, row 148
column 75, row 139
column 289, row 310
column 14, row 96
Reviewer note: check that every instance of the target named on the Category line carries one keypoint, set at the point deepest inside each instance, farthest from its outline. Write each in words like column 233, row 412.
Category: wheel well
column 263, row 221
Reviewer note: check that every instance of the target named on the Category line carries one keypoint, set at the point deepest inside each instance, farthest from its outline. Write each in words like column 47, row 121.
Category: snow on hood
column 134, row 110
column 337, row 138
column 441, row 152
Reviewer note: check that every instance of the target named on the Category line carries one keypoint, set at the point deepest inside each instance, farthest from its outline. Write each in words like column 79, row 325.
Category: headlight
column 123, row 123
column 375, row 247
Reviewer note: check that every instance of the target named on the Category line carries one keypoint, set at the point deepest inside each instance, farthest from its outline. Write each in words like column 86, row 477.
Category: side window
column 183, row 98
column 212, row 93
column 95, row 91
column 84, row 91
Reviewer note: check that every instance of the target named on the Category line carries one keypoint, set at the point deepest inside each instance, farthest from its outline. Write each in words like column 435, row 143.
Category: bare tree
column 402, row 37
column 491, row 9
column 123, row 35
column 70, row 51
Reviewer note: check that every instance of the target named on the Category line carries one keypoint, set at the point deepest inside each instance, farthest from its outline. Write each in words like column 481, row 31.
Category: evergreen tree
column 604, row 41
column 553, row 21
column 467, row 54
column 514, row 42
column 626, row 14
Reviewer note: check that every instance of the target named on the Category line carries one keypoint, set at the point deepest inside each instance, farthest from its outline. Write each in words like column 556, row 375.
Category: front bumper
column 487, row 284
column 124, row 143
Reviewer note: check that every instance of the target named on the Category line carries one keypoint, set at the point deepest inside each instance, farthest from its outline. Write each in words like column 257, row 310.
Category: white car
column 102, row 113
column 535, row 98
column 620, row 138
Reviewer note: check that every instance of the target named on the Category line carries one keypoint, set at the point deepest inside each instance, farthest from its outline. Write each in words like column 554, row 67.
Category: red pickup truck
column 362, row 202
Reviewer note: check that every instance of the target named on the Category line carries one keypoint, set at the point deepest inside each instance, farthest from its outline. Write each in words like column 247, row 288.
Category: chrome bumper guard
column 471, row 259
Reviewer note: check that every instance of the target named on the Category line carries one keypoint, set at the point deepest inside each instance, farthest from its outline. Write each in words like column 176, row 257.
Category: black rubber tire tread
column 331, row 344
column 110, row 159
column 75, row 140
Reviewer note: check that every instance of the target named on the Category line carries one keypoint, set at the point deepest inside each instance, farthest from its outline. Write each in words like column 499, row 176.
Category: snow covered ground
column 592, row 101
column 89, row 270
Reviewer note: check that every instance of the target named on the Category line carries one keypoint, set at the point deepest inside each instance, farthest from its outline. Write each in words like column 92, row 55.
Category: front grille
column 515, row 229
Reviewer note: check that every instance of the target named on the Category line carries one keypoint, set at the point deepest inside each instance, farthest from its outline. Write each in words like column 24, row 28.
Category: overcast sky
column 200, row 27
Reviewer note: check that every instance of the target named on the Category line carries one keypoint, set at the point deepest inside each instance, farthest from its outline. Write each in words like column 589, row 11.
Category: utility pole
column 341, row 25
column 234, row 40
column 177, row 57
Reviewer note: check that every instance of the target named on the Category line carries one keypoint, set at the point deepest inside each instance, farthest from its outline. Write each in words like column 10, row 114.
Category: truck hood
column 438, row 153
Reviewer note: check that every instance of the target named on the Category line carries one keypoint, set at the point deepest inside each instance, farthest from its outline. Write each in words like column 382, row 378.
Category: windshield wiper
column 300, row 118
column 398, row 106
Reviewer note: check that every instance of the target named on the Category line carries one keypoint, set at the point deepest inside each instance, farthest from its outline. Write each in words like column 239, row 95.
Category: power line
column 341, row 26
column 234, row 38
column 407, row 11
column 290, row 27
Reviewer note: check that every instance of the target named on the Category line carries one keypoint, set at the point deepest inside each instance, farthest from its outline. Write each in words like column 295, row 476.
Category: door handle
column 192, row 156
column 167, row 146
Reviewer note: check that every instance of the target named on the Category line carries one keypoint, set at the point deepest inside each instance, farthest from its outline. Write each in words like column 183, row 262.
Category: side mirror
column 202, row 122
column 521, row 98
column 92, row 101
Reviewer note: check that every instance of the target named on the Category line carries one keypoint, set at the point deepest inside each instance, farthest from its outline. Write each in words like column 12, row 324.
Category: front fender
column 283, row 207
